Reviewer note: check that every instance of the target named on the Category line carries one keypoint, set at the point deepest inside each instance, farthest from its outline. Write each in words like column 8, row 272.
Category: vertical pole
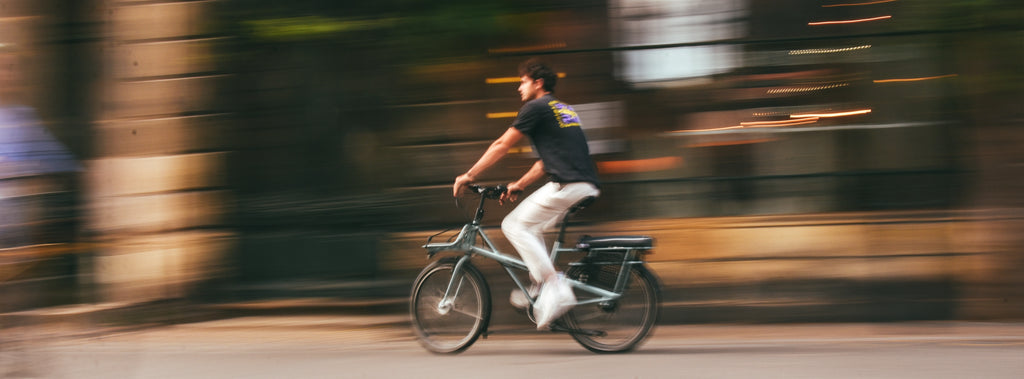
column 157, row 189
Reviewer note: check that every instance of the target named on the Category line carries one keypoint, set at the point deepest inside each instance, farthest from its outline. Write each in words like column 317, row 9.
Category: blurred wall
column 157, row 197
column 859, row 125
column 40, row 148
column 260, row 143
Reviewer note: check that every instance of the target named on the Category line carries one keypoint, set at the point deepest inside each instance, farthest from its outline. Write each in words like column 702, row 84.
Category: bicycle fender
column 654, row 277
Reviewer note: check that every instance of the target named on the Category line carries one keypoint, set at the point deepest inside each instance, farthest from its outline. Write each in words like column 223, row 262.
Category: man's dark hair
column 536, row 69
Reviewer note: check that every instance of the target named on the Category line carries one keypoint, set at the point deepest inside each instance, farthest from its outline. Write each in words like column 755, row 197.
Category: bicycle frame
column 466, row 242
column 610, row 276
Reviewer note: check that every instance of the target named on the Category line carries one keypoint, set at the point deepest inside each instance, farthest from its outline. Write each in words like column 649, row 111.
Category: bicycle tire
column 625, row 323
column 453, row 330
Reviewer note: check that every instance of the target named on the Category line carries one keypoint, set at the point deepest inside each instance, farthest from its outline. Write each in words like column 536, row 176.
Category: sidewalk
column 374, row 346
column 397, row 327
column 360, row 302
column 355, row 331
column 349, row 321
column 383, row 304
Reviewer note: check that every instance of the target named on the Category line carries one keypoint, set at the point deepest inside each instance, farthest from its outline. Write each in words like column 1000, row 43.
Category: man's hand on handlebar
column 461, row 182
column 499, row 192
column 512, row 194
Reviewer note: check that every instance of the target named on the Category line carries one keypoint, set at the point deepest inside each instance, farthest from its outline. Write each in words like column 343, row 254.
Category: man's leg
column 524, row 228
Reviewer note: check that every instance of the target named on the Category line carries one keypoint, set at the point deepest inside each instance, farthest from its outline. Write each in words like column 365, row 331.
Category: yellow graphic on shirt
column 565, row 115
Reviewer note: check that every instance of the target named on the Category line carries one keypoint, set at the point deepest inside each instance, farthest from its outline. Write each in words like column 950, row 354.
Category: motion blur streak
column 913, row 79
column 511, row 79
column 502, row 115
column 640, row 165
column 796, row 160
column 533, row 49
column 869, row 19
column 856, row 4
column 829, row 50
column 833, row 114
column 796, row 120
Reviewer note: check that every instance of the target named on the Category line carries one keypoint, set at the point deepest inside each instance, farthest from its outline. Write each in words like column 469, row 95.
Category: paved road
column 375, row 347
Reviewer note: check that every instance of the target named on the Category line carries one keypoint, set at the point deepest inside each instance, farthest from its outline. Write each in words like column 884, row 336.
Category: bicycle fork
column 454, row 287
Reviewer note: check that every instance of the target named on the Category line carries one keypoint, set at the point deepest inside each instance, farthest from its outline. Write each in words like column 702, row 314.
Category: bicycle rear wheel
column 448, row 327
column 624, row 323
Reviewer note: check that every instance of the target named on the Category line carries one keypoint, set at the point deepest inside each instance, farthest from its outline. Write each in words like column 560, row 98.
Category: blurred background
column 795, row 159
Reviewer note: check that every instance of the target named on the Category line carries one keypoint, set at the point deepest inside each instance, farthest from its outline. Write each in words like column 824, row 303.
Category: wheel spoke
column 470, row 314
column 449, row 324
column 626, row 322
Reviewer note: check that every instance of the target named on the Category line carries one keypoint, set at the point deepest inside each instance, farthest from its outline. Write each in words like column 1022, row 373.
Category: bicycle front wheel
column 622, row 324
column 449, row 325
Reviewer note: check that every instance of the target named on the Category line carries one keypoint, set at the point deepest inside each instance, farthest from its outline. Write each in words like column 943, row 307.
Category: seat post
column 561, row 231
column 572, row 210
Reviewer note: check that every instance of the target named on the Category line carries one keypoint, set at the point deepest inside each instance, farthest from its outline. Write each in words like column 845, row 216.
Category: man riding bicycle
column 556, row 134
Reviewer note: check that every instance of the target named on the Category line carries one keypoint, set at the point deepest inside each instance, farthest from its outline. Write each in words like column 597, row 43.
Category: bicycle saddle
column 630, row 242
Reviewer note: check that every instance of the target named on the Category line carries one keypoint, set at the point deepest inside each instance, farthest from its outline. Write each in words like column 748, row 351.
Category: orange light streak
column 502, row 115
column 709, row 130
column 550, row 46
column 732, row 143
column 849, row 21
column 511, row 79
column 857, row 4
column 836, row 114
column 913, row 79
column 828, row 51
column 794, row 121
column 788, row 90
column 639, row 165
column 759, row 124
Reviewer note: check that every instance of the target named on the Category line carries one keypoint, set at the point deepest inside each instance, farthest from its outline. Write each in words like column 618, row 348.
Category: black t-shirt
column 557, row 136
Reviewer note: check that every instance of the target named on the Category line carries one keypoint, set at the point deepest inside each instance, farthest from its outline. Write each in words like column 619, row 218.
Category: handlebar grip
column 494, row 192
column 488, row 192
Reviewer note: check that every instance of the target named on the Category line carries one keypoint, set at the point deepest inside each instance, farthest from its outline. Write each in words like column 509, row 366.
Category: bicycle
column 618, row 297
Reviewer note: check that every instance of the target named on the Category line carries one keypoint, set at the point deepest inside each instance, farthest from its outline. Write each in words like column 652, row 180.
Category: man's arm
column 514, row 188
column 494, row 153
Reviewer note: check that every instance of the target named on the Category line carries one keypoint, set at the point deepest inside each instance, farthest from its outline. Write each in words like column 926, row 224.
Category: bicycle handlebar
column 493, row 192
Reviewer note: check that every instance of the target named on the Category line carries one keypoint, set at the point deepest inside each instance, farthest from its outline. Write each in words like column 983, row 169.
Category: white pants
column 541, row 211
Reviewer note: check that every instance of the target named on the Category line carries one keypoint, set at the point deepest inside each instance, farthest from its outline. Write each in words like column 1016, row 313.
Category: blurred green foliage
column 310, row 27
column 412, row 30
